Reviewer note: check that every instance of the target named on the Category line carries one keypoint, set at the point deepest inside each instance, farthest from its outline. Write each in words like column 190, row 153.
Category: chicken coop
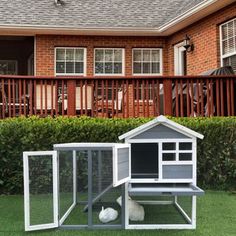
column 147, row 182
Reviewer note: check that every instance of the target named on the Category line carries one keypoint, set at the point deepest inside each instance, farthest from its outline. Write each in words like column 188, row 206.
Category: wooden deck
column 117, row 96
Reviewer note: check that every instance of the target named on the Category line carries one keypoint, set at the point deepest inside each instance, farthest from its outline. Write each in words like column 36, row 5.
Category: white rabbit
column 107, row 215
column 136, row 211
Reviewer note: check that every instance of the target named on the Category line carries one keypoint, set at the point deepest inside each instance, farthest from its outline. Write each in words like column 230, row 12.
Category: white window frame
column 65, row 74
column 12, row 61
column 150, row 74
column 111, row 74
column 222, row 56
column 177, row 151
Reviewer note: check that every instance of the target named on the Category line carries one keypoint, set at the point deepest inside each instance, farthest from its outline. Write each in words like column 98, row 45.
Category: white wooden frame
column 117, row 182
column 111, row 74
column 159, row 142
column 54, row 224
column 190, row 219
column 178, row 62
column 84, row 61
column 64, row 217
column 150, row 74
column 222, row 57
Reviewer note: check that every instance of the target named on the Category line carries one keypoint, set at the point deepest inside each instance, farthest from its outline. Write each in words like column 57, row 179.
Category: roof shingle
column 93, row 13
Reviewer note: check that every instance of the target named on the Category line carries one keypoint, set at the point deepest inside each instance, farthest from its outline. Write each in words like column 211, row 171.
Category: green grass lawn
column 216, row 216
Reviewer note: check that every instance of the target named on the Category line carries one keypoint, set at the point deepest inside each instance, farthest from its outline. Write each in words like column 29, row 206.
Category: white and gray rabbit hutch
column 148, row 182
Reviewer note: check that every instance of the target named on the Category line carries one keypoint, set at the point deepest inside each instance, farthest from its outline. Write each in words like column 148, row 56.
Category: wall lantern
column 187, row 44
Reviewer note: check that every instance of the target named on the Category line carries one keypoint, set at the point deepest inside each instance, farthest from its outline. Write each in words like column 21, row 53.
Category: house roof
column 161, row 120
column 98, row 14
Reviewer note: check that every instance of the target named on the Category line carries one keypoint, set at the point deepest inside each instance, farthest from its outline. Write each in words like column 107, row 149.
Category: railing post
column 71, row 96
column 167, row 84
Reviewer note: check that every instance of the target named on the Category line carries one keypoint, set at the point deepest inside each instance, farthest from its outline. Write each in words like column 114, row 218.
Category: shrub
column 216, row 153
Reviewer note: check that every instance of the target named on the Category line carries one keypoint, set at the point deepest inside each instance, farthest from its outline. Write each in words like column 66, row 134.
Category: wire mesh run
column 94, row 188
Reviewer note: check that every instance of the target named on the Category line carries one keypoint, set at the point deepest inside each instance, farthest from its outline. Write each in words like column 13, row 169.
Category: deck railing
column 117, row 96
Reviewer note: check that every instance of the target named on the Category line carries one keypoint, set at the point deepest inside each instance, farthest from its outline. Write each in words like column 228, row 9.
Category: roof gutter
column 55, row 29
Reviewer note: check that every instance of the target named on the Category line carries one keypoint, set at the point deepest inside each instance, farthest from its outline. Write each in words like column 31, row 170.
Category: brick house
column 116, row 58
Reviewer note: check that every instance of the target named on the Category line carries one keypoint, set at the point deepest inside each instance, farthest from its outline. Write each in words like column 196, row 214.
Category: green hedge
column 216, row 153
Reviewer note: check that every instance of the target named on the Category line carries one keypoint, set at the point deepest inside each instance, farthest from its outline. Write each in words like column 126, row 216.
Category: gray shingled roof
column 93, row 13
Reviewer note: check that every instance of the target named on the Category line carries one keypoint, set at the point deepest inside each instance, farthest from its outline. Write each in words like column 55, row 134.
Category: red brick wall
column 45, row 49
column 204, row 34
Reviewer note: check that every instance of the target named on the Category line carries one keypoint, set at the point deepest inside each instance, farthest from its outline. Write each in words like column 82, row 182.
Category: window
column 70, row 61
column 147, row 61
column 109, row 61
column 228, row 44
column 176, row 151
column 8, row 67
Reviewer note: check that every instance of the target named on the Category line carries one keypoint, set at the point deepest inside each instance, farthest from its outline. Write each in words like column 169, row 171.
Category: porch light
column 187, row 44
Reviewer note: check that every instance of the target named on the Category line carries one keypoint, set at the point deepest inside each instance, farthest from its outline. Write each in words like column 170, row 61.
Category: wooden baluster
column 9, row 97
column 123, row 98
column 222, row 97
column 192, row 97
column 81, row 98
column 217, row 98
column 52, row 97
column 202, row 97
column 63, row 97
column 102, row 97
column 232, row 96
column 158, row 99
column 46, row 97
column 14, row 97
column 92, row 97
column 143, row 97
column 181, row 99
column 212, row 97
column 187, row 94
column 3, row 99
column 30, row 97
column 112, row 98
column 198, row 98
column 35, row 97
column 153, row 98
column 147, row 96
column 41, row 97
column 106, row 103
column 20, row 97
column 56, row 97
column 127, row 98
column 208, row 100
column 96, row 99
column 176, row 98
column 137, row 97
column 86, row 97
column 228, row 97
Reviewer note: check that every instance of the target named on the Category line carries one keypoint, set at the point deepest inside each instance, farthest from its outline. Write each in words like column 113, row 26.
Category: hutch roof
column 164, row 121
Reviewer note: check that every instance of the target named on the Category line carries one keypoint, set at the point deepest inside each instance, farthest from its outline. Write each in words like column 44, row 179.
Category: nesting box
column 155, row 167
